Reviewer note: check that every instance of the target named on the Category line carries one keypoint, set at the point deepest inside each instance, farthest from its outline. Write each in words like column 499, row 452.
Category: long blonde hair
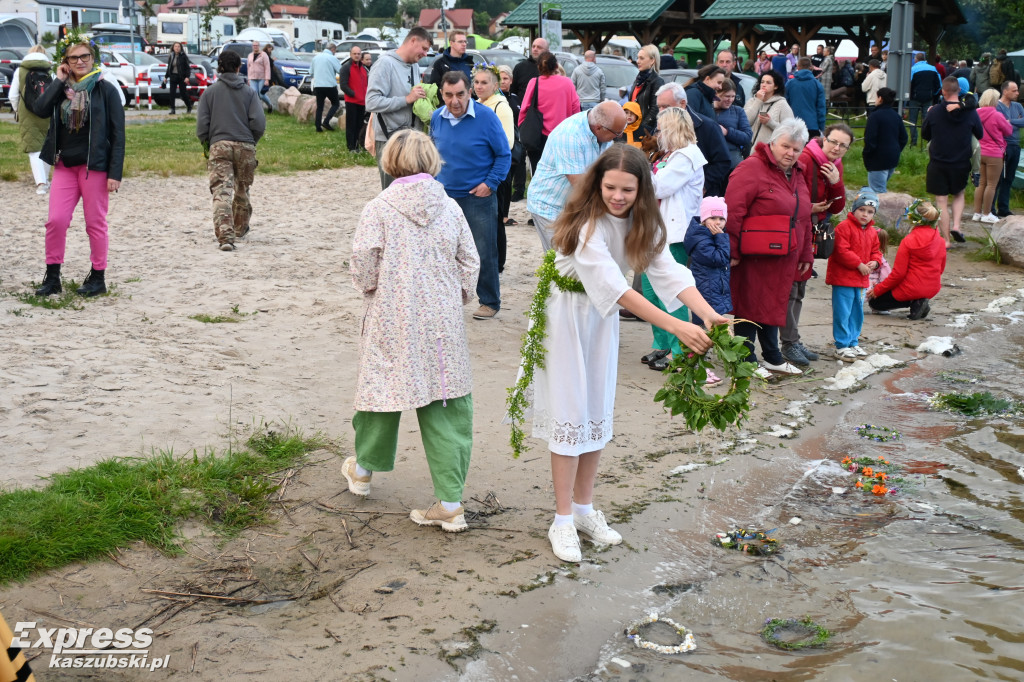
column 645, row 238
column 675, row 129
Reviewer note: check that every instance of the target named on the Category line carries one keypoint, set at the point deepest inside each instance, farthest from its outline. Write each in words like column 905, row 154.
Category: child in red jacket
column 855, row 256
column 917, row 271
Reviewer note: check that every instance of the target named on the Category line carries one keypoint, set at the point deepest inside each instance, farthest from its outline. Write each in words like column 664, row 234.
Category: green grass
column 213, row 319
column 85, row 513
column 170, row 148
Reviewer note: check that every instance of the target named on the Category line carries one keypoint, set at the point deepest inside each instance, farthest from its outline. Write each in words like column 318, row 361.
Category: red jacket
column 854, row 245
column 917, row 271
column 812, row 158
column 760, row 284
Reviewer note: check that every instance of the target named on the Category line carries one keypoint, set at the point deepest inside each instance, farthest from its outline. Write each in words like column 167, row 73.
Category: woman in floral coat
column 414, row 260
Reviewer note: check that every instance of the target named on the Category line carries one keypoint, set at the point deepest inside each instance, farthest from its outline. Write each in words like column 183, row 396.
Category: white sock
column 450, row 506
column 361, row 472
column 563, row 520
column 582, row 509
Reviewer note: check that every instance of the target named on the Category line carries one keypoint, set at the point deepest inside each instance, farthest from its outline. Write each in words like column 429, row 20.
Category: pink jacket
column 558, row 100
column 258, row 69
column 996, row 129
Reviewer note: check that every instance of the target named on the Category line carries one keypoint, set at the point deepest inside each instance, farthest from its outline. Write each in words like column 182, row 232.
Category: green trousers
column 662, row 339
column 447, row 434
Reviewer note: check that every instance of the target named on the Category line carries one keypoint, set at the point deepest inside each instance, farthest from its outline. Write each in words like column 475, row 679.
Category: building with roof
column 431, row 20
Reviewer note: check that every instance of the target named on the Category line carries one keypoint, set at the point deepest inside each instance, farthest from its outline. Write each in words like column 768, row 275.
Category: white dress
column 574, row 395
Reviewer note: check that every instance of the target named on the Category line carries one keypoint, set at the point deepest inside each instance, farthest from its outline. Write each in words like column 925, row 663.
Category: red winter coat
column 761, row 284
column 917, row 271
column 854, row 245
column 812, row 158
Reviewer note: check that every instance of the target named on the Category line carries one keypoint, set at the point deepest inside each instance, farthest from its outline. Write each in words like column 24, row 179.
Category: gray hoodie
column 391, row 79
column 230, row 110
column 589, row 81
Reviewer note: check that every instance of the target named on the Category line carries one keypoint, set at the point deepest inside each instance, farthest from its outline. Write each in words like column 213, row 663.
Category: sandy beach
column 375, row 597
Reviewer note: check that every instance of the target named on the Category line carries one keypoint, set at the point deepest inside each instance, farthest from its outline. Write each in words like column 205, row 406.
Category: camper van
column 187, row 30
column 304, row 31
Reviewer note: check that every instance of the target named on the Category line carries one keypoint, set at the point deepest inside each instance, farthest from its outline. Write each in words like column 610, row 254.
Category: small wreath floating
column 817, row 636
column 687, row 643
column 683, row 392
column 756, row 542
column 879, row 434
column 875, row 476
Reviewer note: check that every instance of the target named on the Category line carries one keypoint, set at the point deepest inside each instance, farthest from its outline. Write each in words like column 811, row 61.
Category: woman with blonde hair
column 993, row 149
column 33, row 73
column 678, row 185
column 415, row 262
column 85, row 145
column 644, row 90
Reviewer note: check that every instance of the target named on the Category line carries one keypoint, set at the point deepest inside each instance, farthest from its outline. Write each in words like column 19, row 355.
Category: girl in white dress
column 610, row 224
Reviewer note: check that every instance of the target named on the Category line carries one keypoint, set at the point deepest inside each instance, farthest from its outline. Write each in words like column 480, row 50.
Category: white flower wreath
column 633, row 632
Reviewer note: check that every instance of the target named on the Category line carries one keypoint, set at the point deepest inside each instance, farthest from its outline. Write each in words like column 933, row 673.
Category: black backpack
column 35, row 84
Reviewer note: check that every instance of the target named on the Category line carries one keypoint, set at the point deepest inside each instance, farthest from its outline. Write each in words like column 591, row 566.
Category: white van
column 187, row 29
column 264, row 36
column 304, row 31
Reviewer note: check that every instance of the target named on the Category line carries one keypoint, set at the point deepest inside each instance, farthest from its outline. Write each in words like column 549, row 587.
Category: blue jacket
column 735, row 121
column 709, row 262
column 474, row 151
column 324, row 68
column 701, row 98
column 806, row 98
column 885, row 136
column 711, row 143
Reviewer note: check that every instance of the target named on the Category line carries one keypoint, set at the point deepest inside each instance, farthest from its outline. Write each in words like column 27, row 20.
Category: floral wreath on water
column 687, row 643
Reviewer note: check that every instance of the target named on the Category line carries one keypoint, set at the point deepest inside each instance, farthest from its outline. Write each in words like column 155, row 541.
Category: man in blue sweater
column 476, row 159
column 806, row 97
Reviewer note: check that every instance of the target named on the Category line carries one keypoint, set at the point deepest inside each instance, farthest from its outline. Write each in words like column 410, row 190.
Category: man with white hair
column 710, row 140
column 526, row 70
column 572, row 146
column 589, row 81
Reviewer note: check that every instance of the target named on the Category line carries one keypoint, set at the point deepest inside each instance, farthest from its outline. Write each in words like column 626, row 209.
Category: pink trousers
column 68, row 186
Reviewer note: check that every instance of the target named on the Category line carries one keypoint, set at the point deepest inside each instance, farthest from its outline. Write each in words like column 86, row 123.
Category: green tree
column 991, row 25
column 338, row 11
column 381, row 8
column 254, row 11
column 206, row 20
column 48, row 39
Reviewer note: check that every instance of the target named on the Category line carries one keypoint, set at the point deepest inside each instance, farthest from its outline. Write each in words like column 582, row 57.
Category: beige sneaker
column 451, row 521
column 357, row 485
column 485, row 313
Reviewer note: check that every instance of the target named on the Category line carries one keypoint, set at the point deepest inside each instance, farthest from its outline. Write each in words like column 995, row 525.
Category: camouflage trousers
column 232, row 166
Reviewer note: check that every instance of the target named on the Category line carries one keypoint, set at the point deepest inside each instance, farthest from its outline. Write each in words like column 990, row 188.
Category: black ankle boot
column 51, row 282
column 93, row 284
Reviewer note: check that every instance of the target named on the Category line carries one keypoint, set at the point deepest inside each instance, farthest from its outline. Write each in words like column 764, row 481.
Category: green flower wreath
column 817, row 636
column 684, row 393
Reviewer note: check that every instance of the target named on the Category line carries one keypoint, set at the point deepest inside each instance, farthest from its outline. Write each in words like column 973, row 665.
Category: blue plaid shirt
column 570, row 149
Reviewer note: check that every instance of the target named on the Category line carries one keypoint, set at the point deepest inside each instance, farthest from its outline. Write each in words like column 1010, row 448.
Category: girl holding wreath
column 596, row 242
column 85, row 146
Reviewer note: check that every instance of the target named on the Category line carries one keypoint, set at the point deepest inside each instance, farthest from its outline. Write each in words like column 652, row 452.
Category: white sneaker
column 41, row 189
column 859, row 352
column 357, row 485
column 784, row 368
column 762, row 373
column 565, row 542
column 594, row 525
column 846, row 354
column 990, row 218
column 976, row 217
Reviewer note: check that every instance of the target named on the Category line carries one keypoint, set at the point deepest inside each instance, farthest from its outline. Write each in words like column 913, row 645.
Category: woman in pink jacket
column 258, row 71
column 556, row 99
column 993, row 148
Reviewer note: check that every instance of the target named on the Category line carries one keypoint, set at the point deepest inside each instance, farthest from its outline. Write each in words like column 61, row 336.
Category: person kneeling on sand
column 229, row 123
column 917, row 271
column 415, row 261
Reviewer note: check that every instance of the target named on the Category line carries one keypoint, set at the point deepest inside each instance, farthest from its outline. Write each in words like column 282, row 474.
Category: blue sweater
column 806, row 98
column 734, row 119
column 474, row 151
column 709, row 262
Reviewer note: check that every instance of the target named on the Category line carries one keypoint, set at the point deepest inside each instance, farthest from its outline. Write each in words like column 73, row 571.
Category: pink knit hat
column 711, row 207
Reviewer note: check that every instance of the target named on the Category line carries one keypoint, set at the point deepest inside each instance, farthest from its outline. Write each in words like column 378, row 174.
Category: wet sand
column 131, row 372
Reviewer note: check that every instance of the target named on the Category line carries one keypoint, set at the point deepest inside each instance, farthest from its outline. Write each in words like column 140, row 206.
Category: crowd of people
column 677, row 206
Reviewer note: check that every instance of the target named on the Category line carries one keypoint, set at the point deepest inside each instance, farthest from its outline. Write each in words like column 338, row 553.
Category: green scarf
column 74, row 111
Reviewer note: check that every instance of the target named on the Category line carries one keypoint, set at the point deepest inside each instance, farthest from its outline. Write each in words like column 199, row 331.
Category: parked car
column 293, row 70
column 427, row 63
column 9, row 54
column 683, row 76
column 619, row 72
column 5, row 90
column 345, row 45
column 502, row 57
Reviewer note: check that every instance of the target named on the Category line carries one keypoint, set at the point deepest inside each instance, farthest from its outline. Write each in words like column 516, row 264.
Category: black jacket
column 184, row 66
column 647, row 98
column 885, row 136
column 445, row 62
column 106, row 127
column 524, row 72
column 711, row 143
column 701, row 98
column 951, row 131
column 741, row 95
column 925, row 86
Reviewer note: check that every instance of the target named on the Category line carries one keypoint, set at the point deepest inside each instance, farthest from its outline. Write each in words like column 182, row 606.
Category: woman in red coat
column 917, row 272
column 769, row 183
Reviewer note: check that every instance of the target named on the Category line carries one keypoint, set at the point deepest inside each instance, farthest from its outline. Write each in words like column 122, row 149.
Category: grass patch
column 86, row 513
column 236, row 316
column 170, row 148
column 68, row 299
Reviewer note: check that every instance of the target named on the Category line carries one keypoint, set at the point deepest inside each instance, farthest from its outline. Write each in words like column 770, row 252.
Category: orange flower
column 881, row 476
column 846, row 460
column 882, row 460
column 879, row 490
column 860, row 484
column 868, row 471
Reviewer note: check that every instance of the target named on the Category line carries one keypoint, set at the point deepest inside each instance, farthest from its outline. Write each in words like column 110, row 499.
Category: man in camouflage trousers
column 229, row 122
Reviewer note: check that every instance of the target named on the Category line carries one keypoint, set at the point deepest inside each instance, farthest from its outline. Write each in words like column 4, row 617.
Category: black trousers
column 354, row 114
column 889, row 302
column 178, row 85
column 330, row 93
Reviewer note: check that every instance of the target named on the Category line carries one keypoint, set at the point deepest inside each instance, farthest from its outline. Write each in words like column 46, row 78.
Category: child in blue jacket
column 707, row 246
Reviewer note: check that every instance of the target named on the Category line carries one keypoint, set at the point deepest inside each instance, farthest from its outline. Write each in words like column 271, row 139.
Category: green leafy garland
column 532, row 350
column 684, row 393
column 817, row 635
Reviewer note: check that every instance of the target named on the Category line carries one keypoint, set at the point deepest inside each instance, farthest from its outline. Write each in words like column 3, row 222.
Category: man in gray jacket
column 589, row 81
column 229, row 123
column 393, row 87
